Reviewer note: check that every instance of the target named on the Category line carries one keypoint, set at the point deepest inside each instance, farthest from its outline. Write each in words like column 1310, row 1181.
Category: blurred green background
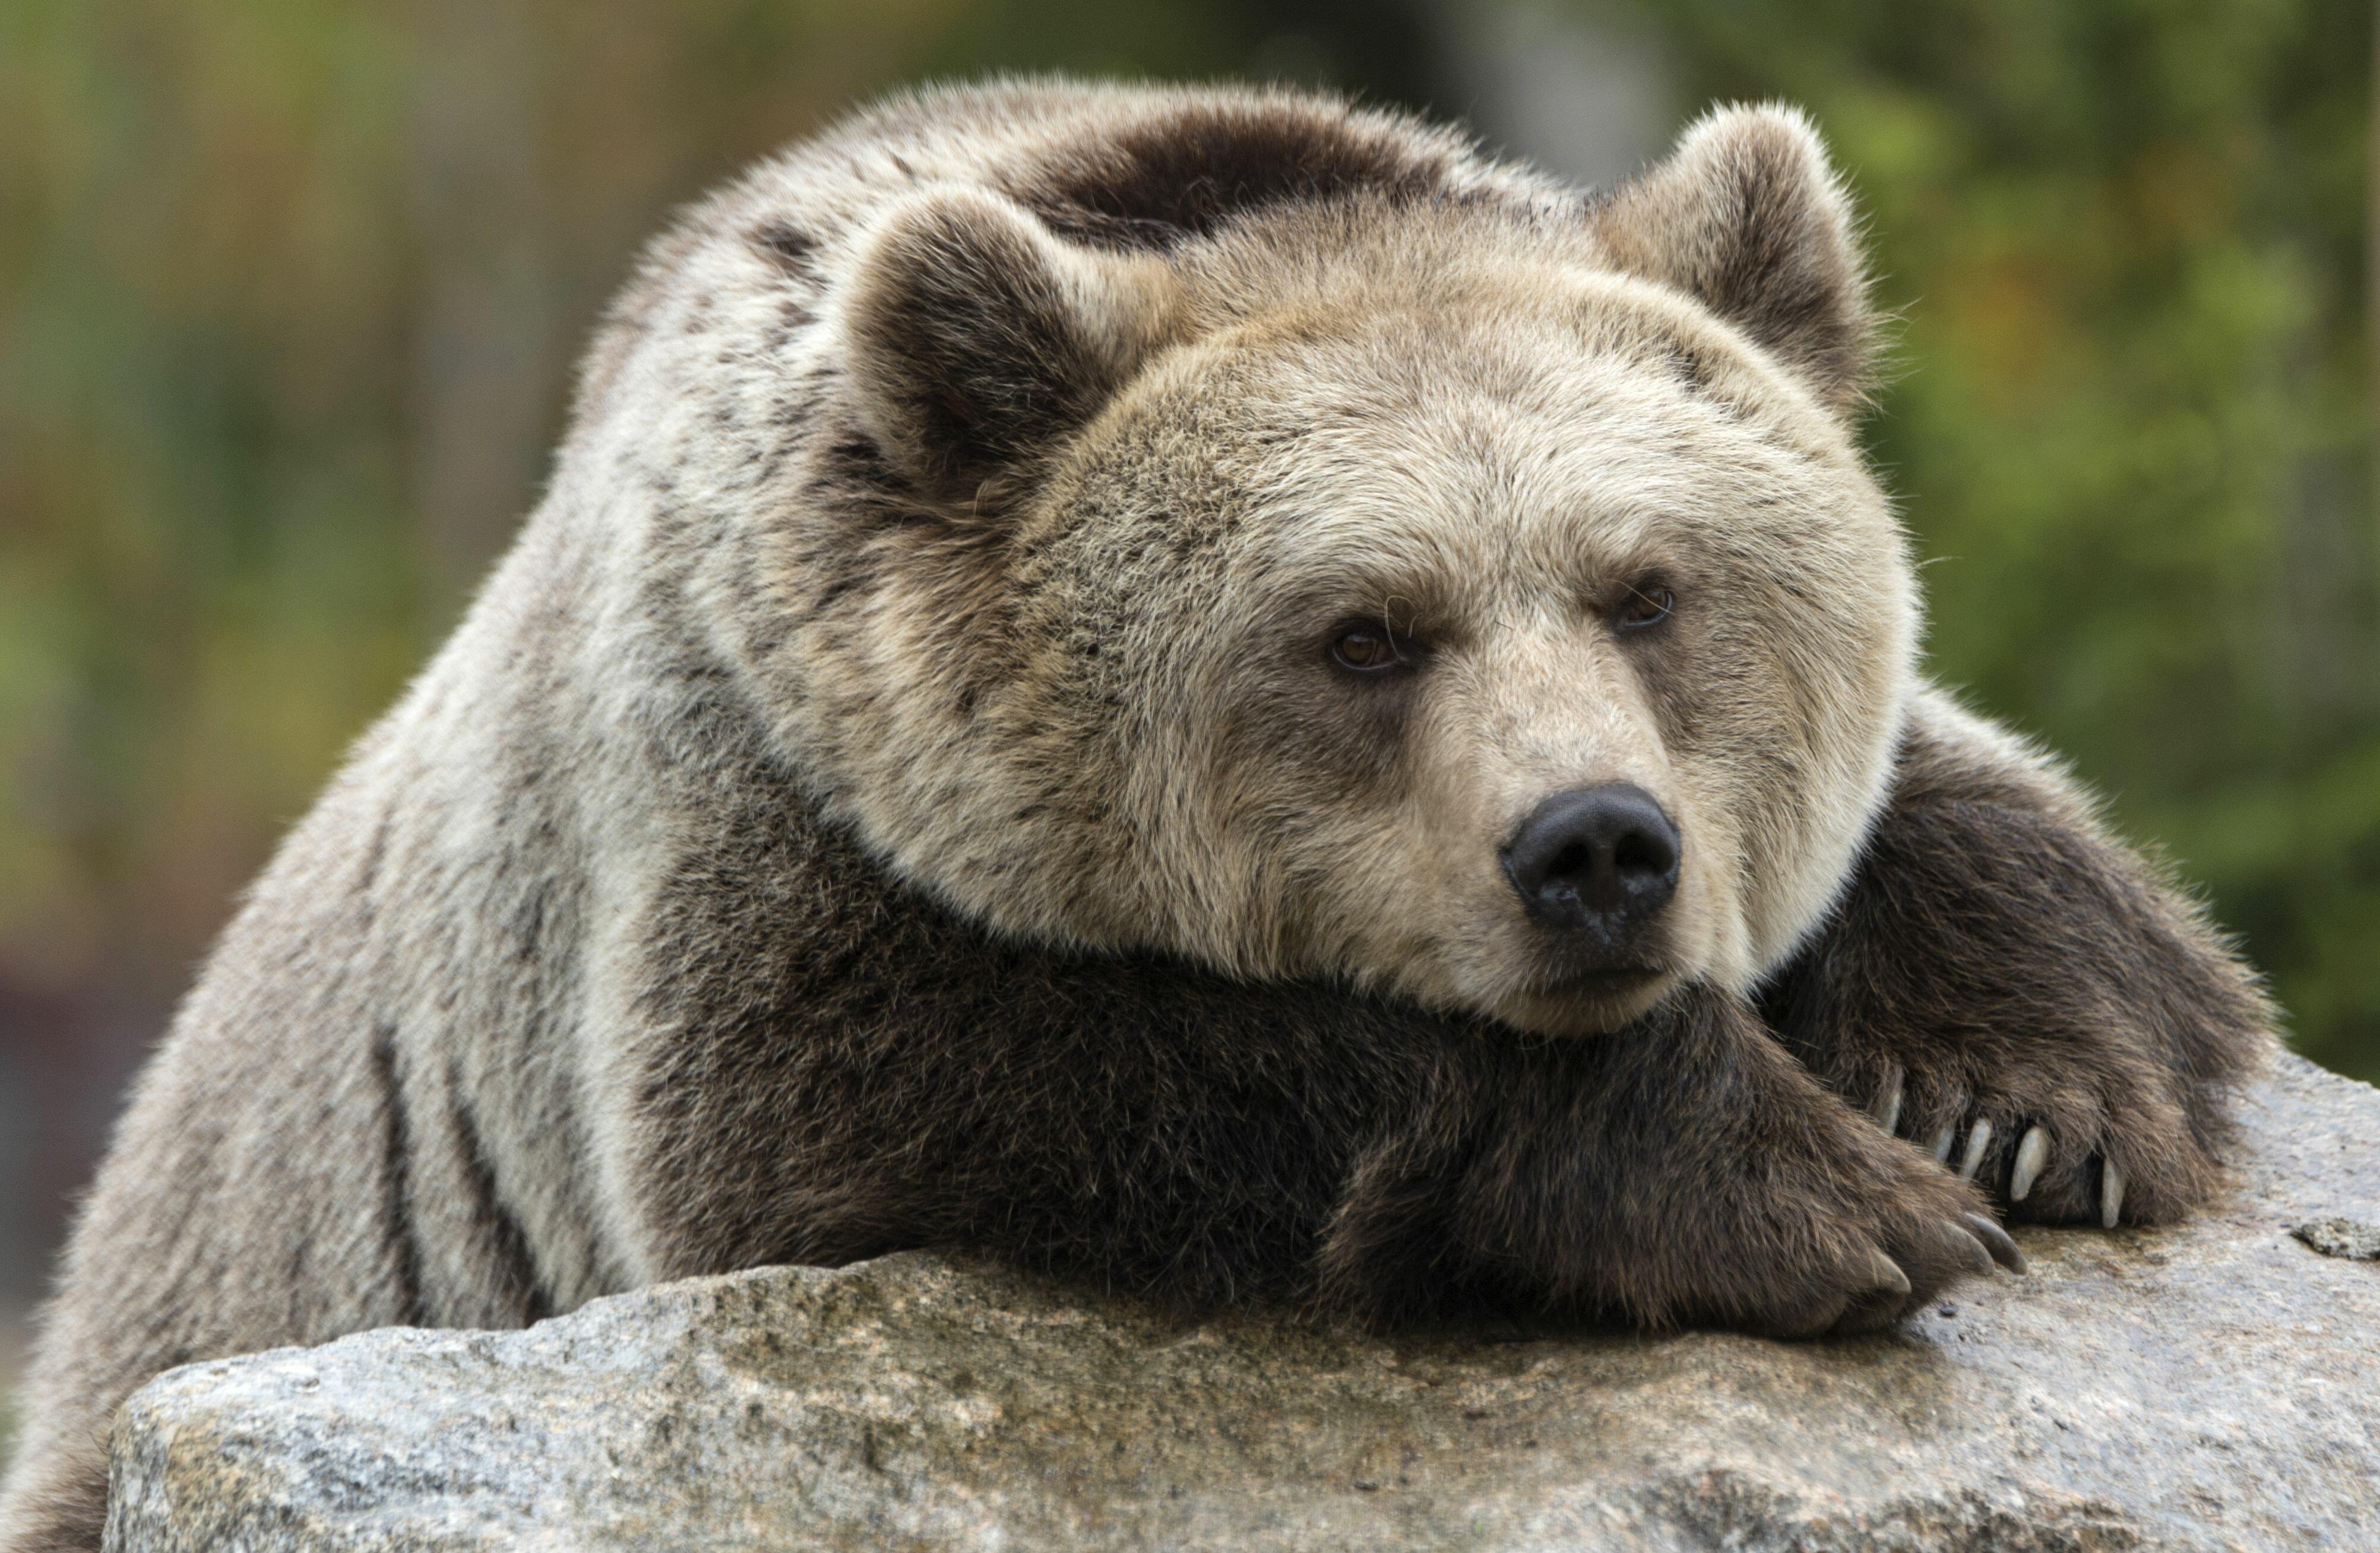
column 290, row 292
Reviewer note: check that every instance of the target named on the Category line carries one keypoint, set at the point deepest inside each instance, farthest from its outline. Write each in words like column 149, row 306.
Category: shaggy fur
column 2121, row 1041
column 897, row 792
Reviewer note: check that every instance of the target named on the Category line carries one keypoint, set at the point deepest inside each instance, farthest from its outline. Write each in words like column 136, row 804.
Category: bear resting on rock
column 1197, row 686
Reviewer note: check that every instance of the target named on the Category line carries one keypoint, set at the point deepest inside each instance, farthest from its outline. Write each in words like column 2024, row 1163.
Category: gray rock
column 2211, row 1386
column 2341, row 1237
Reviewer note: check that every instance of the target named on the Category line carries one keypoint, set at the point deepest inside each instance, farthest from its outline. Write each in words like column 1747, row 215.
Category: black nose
column 1603, row 857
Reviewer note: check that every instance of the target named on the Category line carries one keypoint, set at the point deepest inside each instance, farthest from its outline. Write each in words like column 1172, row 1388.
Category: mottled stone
column 2210, row 1386
column 2341, row 1237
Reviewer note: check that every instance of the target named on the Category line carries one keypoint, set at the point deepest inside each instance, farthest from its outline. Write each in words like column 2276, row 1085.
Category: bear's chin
column 1592, row 1004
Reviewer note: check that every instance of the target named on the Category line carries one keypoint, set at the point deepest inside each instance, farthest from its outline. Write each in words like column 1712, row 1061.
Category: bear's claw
column 1971, row 1242
column 1995, row 1240
column 2031, row 1155
column 1978, row 1141
column 1884, row 1274
column 2028, row 1165
column 1885, row 1107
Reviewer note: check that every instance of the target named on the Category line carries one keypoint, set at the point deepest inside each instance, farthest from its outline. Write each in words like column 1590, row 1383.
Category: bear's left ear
column 977, row 337
column 1748, row 216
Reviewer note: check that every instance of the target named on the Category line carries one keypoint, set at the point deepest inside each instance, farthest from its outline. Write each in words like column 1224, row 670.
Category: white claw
column 1886, row 1108
column 1942, row 1142
column 1977, row 1141
column 2111, row 1193
column 2031, row 1155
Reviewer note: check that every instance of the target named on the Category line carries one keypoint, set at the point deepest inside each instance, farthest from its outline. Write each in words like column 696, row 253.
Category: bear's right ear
column 977, row 337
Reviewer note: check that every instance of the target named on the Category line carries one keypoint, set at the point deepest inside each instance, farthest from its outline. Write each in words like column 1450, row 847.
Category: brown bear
column 1201, row 687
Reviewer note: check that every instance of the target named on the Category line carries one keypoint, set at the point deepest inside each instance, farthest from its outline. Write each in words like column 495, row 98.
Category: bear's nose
column 1602, row 857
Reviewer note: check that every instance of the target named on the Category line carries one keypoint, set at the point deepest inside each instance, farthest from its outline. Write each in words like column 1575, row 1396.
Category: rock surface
column 2212, row 1385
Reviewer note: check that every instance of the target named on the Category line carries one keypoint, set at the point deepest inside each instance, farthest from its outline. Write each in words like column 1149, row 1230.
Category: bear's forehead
column 1434, row 442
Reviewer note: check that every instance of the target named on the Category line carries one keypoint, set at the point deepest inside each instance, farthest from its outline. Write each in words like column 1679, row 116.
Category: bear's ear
column 1748, row 216
column 977, row 337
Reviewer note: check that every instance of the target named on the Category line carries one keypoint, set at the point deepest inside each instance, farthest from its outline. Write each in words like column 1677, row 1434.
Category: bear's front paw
column 2073, row 1134
column 1684, row 1171
column 1845, row 1233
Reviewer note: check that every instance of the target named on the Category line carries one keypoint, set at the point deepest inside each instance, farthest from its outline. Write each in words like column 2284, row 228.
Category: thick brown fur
column 895, row 793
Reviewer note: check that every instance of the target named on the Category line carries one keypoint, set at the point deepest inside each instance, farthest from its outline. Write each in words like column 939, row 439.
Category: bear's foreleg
column 1684, row 1170
column 2012, row 990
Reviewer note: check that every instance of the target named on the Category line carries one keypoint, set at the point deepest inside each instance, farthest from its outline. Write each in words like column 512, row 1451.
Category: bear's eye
column 1371, row 649
column 1648, row 604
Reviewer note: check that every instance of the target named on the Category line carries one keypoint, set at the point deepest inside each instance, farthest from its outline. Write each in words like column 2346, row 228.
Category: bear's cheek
column 1292, row 739
column 1307, row 785
column 1770, row 734
column 1709, row 938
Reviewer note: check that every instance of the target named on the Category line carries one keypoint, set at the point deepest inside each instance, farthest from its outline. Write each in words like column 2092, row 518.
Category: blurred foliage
column 2132, row 432
column 289, row 290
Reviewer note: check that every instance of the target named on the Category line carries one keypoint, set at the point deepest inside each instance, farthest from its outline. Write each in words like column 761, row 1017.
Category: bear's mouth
column 1600, row 982
column 1586, row 1000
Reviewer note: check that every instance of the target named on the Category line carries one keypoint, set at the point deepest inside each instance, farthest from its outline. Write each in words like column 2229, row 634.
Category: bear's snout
column 1600, row 862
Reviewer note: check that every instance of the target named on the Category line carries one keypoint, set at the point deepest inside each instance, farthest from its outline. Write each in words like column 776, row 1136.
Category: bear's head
column 1479, row 599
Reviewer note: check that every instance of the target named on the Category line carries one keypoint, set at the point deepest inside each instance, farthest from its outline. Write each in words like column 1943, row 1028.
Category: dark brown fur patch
column 788, row 246
column 504, row 1245
column 396, row 1198
column 1781, row 282
column 1186, row 175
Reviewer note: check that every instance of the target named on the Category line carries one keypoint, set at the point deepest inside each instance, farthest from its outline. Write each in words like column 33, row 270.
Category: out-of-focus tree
column 2132, row 424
